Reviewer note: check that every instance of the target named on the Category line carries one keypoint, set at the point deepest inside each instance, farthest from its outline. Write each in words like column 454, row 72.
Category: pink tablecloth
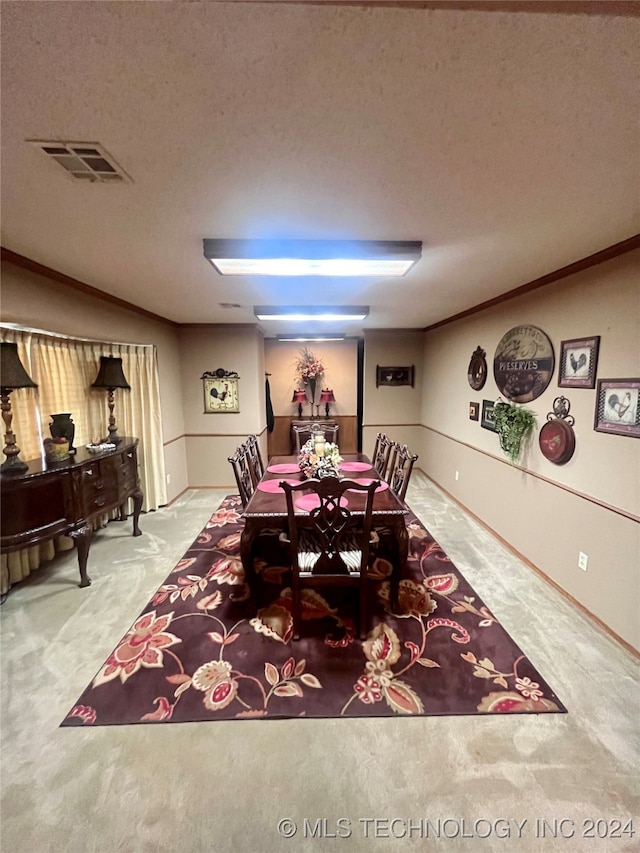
column 309, row 502
column 368, row 480
column 354, row 466
column 273, row 485
column 284, row 468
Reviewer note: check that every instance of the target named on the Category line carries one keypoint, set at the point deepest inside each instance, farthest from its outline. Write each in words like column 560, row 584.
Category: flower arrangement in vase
column 319, row 460
column 309, row 368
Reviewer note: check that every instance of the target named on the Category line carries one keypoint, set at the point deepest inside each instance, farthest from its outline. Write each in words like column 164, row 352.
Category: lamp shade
column 110, row 374
column 299, row 397
column 326, row 396
column 12, row 373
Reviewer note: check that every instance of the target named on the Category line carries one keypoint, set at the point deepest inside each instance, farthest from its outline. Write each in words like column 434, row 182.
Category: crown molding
column 571, row 269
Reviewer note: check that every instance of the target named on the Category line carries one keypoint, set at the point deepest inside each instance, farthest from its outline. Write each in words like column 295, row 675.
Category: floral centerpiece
column 313, row 464
column 309, row 368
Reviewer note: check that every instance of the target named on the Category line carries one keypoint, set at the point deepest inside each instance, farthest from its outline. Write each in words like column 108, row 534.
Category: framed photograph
column 618, row 407
column 220, row 392
column 578, row 362
column 394, row 375
column 487, row 415
column 474, row 411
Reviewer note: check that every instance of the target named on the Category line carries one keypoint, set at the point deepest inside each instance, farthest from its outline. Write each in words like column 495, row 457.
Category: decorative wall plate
column 523, row 363
column 557, row 439
column 477, row 370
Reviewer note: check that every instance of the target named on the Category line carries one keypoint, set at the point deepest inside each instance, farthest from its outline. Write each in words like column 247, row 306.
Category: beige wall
column 340, row 359
column 547, row 523
column 37, row 301
column 211, row 438
column 395, row 410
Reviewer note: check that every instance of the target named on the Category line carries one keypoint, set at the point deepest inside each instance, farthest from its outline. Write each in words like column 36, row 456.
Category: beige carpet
column 378, row 784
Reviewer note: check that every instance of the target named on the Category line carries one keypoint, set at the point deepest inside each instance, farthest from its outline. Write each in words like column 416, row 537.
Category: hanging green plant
column 515, row 426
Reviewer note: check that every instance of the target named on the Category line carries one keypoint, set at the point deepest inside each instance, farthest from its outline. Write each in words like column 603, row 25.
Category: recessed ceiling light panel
column 327, row 336
column 336, row 258
column 302, row 313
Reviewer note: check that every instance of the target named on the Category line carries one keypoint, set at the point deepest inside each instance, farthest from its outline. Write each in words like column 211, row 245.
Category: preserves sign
column 523, row 363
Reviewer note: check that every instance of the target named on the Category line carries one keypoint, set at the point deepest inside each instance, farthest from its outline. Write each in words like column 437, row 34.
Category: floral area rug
column 201, row 650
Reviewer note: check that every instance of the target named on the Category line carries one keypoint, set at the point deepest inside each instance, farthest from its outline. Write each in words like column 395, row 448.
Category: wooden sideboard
column 63, row 498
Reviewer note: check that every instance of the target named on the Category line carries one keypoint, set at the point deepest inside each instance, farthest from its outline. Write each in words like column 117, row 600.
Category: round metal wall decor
column 523, row 363
column 477, row 370
column 557, row 439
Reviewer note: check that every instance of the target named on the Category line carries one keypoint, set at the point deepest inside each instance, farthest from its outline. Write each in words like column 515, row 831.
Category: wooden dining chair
column 381, row 454
column 256, row 465
column 303, row 432
column 401, row 465
column 242, row 472
column 329, row 546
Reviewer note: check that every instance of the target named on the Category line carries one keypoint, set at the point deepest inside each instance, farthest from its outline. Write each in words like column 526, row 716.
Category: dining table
column 267, row 508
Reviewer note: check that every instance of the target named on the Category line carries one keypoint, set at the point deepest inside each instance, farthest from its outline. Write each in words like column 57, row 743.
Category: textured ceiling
column 507, row 141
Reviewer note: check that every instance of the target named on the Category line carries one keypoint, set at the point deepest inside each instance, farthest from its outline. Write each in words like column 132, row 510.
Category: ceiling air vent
column 87, row 161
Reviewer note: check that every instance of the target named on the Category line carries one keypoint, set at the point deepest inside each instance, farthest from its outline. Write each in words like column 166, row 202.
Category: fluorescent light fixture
column 319, row 337
column 303, row 313
column 312, row 257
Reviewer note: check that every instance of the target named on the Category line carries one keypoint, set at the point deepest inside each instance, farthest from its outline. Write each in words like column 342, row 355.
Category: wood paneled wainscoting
column 279, row 441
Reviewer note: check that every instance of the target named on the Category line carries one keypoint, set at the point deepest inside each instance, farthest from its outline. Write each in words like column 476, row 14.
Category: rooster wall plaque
column 578, row 362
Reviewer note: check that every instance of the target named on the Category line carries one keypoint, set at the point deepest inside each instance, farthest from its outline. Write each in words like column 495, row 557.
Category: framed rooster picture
column 578, row 362
column 618, row 407
column 220, row 392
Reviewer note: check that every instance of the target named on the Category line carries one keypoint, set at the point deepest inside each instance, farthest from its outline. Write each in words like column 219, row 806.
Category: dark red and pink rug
column 200, row 651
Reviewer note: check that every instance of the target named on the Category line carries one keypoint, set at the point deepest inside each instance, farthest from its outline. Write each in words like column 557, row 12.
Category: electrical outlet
column 457, row 475
column 168, row 478
column 583, row 561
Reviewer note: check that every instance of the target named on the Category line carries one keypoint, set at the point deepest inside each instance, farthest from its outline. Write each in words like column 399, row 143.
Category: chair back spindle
column 329, row 545
column 400, row 467
column 381, row 454
column 303, row 432
column 242, row 472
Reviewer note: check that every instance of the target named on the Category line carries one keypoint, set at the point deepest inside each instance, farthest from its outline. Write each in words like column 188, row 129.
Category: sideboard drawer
column 99, row 486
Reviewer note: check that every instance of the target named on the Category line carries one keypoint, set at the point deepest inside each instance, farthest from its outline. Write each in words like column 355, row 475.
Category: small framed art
column 474, row 411
column 220, row 392
column 618, row 407
column 394, row 375
column 578, row 362
column 486, row 420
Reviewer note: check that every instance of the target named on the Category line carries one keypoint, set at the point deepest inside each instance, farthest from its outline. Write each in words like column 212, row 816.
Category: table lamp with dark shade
column 111, row 376
column 326, row 397
column 12, row 376
column 299, row 397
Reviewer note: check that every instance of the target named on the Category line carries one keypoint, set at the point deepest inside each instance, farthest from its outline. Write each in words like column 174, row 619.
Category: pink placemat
column 366, row 481
column 273, row 485
column 354, row 466
column 284, row 468
column 312, row 501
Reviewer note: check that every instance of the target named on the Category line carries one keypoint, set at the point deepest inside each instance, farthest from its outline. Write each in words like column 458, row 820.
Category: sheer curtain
column 64, row 369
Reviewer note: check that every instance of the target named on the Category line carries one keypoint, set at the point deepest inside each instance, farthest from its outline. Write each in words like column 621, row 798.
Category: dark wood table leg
column 137, row 507
column 247, row 538
column 82, row 539
column 401, row 548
